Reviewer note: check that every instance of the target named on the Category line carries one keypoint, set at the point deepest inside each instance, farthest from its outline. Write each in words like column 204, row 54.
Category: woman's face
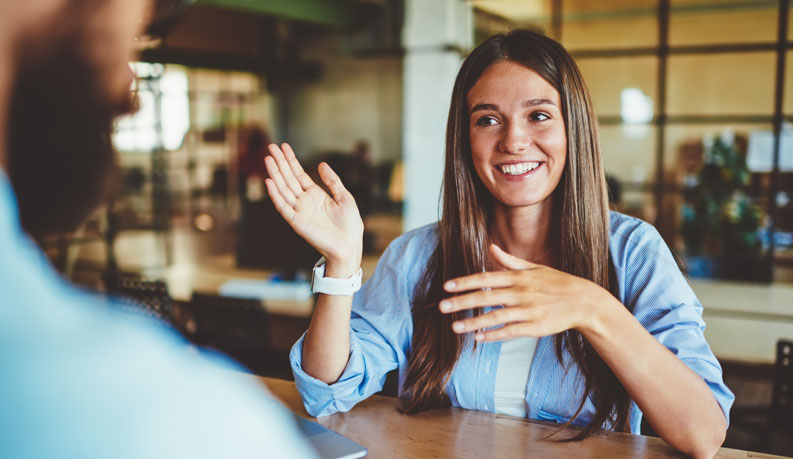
column 517, row 134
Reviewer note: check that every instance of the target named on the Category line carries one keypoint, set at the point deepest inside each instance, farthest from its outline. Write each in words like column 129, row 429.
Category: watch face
column 313, row 278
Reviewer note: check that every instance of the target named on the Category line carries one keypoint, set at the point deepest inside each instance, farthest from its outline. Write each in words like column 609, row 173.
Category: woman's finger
column 302, row 177
column 283, row 208
column 278, row 180
column 493, row 279
column 286, row 171
column 478, row 299
column 492, row 319
column 333, row 182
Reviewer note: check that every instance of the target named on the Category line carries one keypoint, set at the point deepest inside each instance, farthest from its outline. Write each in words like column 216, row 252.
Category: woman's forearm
column 676, row 401
column 326, row 348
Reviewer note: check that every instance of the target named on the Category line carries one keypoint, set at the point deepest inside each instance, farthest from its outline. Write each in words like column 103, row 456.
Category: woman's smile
column 518, row 170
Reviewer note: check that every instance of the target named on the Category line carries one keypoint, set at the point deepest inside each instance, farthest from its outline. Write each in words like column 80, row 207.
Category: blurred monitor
column 266, row 241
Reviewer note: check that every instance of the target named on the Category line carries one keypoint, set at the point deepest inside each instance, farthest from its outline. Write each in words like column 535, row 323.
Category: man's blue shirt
column 651, row 286
column 82, row 379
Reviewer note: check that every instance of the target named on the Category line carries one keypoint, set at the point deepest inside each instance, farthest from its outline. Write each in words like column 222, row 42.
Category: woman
column 595, row 324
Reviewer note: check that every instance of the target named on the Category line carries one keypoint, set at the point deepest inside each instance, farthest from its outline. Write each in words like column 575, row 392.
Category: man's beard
column 61, row 158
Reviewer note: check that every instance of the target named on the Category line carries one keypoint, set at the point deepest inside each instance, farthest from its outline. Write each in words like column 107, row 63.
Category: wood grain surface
column 377, row 424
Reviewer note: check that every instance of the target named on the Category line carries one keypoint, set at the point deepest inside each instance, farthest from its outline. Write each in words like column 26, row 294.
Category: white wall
column 358, row 98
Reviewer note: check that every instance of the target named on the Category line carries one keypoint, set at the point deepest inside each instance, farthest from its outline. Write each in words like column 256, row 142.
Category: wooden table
column 377, row 424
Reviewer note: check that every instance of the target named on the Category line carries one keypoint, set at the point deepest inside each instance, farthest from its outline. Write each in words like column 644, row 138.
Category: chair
column 768, row 428
column 239, row 328
column 781, row 410
column 229, row 322
column 146, row 298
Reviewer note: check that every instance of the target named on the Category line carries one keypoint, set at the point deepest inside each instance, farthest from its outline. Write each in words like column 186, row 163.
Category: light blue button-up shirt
column 651, row 287
column 83, row 380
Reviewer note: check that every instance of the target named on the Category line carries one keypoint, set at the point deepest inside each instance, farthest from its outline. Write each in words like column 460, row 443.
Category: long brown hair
column 580, row 218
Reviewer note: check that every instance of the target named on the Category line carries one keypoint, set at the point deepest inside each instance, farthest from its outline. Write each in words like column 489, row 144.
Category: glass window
column 614, row 24
column 138, row 132
column 502, row 16
column 638, row 203
column 684, row 146
column 721, row 209
column 609, row 78
column 629, row 153
column 784, row 228
column 787, row 102
column 790, row 25
column 721, row 84
column 706, row 22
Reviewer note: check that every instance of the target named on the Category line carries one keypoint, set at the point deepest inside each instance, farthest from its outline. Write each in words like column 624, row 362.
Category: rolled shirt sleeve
column 655, row 290
column 381, row 327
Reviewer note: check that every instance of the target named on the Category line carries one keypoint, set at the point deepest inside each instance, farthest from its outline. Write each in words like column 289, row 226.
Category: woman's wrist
column 599, row 314
column 343, row 267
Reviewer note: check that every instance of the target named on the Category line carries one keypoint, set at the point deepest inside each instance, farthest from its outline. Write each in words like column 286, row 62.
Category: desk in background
column 745, row 320
column 288, row 319
column 377, row 424
column 185, row 278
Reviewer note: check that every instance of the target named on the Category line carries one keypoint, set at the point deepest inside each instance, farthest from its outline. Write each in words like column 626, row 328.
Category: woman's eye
column 486, row 121
column 539, row 116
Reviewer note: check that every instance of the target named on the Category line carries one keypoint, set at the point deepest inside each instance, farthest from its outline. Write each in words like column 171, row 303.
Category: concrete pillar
column 435, row 32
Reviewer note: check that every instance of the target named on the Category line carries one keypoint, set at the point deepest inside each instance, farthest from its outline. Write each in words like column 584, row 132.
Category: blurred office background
column 695, row 106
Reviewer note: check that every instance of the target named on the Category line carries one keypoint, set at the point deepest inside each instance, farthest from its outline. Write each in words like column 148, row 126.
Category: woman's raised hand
column 330, row 223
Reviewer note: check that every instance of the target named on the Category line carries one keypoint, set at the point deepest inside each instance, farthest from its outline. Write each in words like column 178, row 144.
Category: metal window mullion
column 660, row 124
column 779, row 92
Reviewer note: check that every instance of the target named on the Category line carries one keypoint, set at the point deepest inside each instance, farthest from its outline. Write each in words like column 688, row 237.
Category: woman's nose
column 516, row 139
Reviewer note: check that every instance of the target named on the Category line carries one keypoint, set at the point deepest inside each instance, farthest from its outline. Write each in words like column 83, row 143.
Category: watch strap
column 334, row 286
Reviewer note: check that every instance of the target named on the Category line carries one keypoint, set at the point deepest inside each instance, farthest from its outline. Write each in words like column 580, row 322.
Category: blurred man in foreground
column 78, row 379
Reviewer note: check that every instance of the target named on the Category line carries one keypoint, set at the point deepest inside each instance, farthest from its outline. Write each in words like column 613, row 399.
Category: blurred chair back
column 229, row 323
column 782, row 391
column 148, row 298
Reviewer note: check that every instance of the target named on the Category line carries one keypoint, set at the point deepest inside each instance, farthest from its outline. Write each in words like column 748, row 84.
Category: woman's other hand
column 538, row 300
column 330, row 223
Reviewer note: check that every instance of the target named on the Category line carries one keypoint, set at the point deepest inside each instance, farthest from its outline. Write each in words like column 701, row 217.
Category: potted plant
column 720, row 220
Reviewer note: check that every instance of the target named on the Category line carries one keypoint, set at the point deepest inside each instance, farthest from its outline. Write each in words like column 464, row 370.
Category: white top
column 512, row 376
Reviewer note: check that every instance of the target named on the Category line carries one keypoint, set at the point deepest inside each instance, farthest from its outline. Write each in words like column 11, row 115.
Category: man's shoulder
column 104, row 373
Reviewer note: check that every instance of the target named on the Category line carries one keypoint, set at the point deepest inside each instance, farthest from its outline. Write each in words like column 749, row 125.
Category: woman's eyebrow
column 525, row 104
column 535, row 102
column 484, row 107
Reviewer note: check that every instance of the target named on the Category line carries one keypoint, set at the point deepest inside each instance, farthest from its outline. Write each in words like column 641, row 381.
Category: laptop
column 327, row 443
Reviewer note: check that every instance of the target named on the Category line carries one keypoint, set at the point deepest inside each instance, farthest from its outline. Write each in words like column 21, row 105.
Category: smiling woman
column 526, row 271
column 518, row 99
column 517, row 135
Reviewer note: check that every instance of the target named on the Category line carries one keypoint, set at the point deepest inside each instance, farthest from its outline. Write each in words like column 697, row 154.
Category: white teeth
column 518, row 169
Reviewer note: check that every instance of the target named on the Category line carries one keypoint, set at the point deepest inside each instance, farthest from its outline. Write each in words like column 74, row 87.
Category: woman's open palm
column 330, row 223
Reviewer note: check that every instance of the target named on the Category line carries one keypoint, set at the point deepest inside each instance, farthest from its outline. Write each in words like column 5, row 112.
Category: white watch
column 333, row 286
